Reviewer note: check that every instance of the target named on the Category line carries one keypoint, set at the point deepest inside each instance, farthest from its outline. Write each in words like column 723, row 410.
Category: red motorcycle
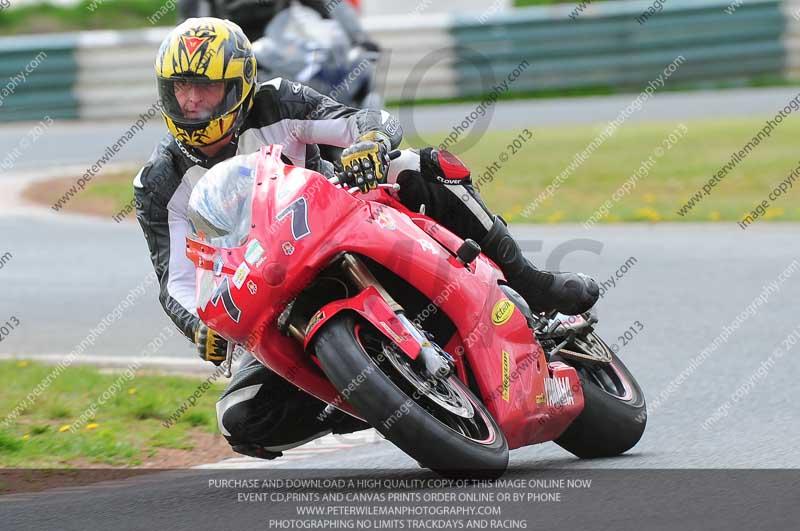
column 400, row 322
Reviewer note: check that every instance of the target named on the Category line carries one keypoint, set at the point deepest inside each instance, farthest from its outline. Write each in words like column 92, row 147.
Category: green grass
column 657, row 196
column 116, row 187
column 126, row 429
column 109, row 193
column 108, row 14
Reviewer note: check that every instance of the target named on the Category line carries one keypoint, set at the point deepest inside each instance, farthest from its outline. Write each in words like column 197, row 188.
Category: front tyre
column 615, row 415
column 443, row 426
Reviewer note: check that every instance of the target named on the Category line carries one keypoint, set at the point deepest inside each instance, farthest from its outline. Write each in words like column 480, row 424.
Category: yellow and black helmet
column 213, row 58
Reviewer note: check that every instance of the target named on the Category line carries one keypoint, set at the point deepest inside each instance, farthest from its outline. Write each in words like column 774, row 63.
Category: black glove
column 366, row 163
column 210, row 345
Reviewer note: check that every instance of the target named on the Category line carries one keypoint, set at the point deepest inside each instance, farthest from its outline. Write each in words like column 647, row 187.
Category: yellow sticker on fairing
column 502, row 311
column 506, row 377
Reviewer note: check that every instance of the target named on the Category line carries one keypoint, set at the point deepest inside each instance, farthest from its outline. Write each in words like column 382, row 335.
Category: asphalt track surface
column 614, row 500
column 687, row 284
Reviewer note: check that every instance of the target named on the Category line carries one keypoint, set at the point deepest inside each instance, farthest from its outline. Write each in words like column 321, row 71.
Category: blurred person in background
column 254, row 15
column 214, row 110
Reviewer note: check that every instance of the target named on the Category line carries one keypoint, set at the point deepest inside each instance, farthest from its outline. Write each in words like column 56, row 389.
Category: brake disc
column 438, row 390
column 594, row 350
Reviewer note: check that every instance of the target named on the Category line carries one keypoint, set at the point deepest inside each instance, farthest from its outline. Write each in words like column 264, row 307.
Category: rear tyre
column 615, row 414
column 445, row 428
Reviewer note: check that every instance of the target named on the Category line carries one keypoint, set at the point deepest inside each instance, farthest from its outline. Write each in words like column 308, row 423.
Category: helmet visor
column 197, row 100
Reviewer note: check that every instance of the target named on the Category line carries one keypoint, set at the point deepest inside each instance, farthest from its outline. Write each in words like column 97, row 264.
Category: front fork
column 435, row 360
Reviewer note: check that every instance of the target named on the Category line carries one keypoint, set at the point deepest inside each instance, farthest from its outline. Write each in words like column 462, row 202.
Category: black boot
column 342, row 423
column 254, row 450
column 568, row 293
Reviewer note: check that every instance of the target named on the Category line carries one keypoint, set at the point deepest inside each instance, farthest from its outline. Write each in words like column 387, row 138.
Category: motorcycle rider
column 213, row 109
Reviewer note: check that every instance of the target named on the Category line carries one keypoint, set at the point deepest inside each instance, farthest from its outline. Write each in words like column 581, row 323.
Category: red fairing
column 303, row 222
column 370, row 305
column 452, row 167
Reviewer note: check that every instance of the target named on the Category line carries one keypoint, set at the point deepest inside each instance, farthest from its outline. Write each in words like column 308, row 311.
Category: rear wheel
column 438, row 422
column 614, row 416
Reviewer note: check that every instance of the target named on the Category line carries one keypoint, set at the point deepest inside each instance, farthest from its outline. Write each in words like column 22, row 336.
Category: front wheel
column 614, row 416
column 440, row 423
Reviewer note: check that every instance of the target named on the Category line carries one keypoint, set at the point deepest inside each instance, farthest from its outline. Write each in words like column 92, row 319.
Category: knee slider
column 443, row 167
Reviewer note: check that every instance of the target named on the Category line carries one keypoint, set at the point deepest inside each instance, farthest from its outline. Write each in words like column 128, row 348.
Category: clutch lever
column 228, row 363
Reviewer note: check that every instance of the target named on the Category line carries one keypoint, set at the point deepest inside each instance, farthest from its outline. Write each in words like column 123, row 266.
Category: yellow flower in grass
column 555, row 217
column 773, row 213
column 22, row 364
column 649, row 214
column 714, row 216
column 132, row 391
column 64, row 428
column 26, row 436
column 92, row 426
column 516, row 209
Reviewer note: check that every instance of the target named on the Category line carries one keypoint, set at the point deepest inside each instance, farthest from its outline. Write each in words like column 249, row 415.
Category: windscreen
column 221, row 202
